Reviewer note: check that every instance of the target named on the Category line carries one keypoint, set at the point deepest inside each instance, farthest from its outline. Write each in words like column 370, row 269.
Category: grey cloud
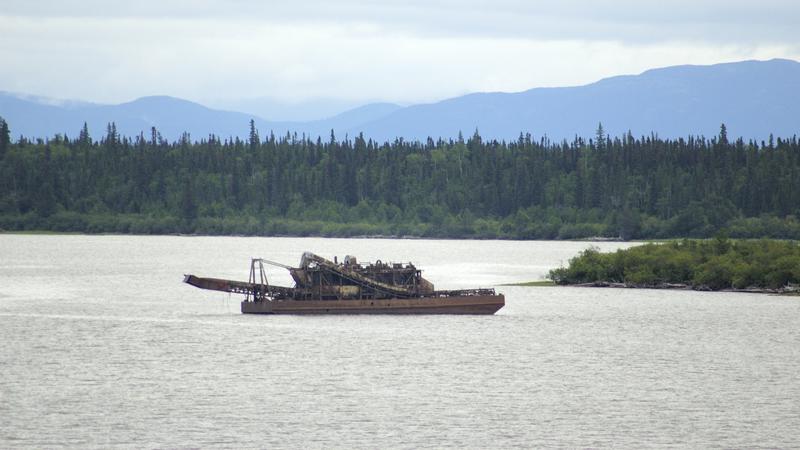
column 409, row 50
column 624, row 20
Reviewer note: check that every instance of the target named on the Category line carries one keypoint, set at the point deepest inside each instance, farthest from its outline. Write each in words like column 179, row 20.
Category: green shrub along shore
column 715, row 264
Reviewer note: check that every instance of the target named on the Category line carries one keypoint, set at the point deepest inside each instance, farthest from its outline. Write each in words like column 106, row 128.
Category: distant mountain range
column 753, row 98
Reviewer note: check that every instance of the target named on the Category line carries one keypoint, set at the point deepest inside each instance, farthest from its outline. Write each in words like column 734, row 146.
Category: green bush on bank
column 716, row 264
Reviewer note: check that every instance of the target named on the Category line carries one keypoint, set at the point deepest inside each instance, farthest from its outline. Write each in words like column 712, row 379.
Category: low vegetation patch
column 538, row 283
column 714, row 264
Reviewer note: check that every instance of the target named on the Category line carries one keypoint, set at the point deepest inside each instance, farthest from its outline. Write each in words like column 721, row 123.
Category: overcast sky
column 393, row 50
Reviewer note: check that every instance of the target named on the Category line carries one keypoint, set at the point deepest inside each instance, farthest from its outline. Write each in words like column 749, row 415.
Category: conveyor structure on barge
column 329, row 287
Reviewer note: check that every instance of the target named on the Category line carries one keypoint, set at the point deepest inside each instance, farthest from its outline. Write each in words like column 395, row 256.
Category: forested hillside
column 622, row 186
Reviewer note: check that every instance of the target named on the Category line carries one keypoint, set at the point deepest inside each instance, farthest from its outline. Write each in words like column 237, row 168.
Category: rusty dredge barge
column 329, row 287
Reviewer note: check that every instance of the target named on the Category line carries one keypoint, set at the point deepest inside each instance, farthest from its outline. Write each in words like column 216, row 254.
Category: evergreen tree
column 112, row 138
column 5, row 137
column 84, row 137
column 600, row 134
column 723, row 134
column 255, row 139
column 188, row 202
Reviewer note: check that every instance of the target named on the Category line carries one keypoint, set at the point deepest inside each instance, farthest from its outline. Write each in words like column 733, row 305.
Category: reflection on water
column 105, row 347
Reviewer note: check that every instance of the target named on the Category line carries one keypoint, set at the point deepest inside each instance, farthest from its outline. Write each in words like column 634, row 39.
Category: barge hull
column 472, row 304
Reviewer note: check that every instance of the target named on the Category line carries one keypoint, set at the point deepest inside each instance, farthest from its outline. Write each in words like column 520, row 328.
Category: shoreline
column 363, row 236
column 787, row 291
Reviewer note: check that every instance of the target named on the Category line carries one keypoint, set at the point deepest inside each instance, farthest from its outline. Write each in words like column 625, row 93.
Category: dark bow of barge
column 329, row 287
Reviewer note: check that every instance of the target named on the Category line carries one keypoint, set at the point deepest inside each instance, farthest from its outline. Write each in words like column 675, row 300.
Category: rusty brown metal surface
column 235, row 287
column 477, row 304
column 328, row 287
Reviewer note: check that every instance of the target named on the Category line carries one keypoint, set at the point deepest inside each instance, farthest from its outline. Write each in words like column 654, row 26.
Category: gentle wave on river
column 103, row 346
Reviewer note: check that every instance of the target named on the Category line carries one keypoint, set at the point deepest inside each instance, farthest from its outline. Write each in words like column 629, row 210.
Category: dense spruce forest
column 616, row 187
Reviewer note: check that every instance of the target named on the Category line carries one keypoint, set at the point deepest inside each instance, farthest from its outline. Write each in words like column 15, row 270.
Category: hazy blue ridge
column 753, row 98
column 171, row 116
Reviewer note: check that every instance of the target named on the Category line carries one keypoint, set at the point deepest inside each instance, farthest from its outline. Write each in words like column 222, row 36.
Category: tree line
column 617, row 187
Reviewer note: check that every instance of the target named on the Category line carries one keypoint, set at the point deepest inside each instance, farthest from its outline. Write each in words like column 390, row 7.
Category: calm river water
column 101, row 345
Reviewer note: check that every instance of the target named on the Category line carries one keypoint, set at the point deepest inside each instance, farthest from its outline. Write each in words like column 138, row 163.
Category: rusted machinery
column 326, row 287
